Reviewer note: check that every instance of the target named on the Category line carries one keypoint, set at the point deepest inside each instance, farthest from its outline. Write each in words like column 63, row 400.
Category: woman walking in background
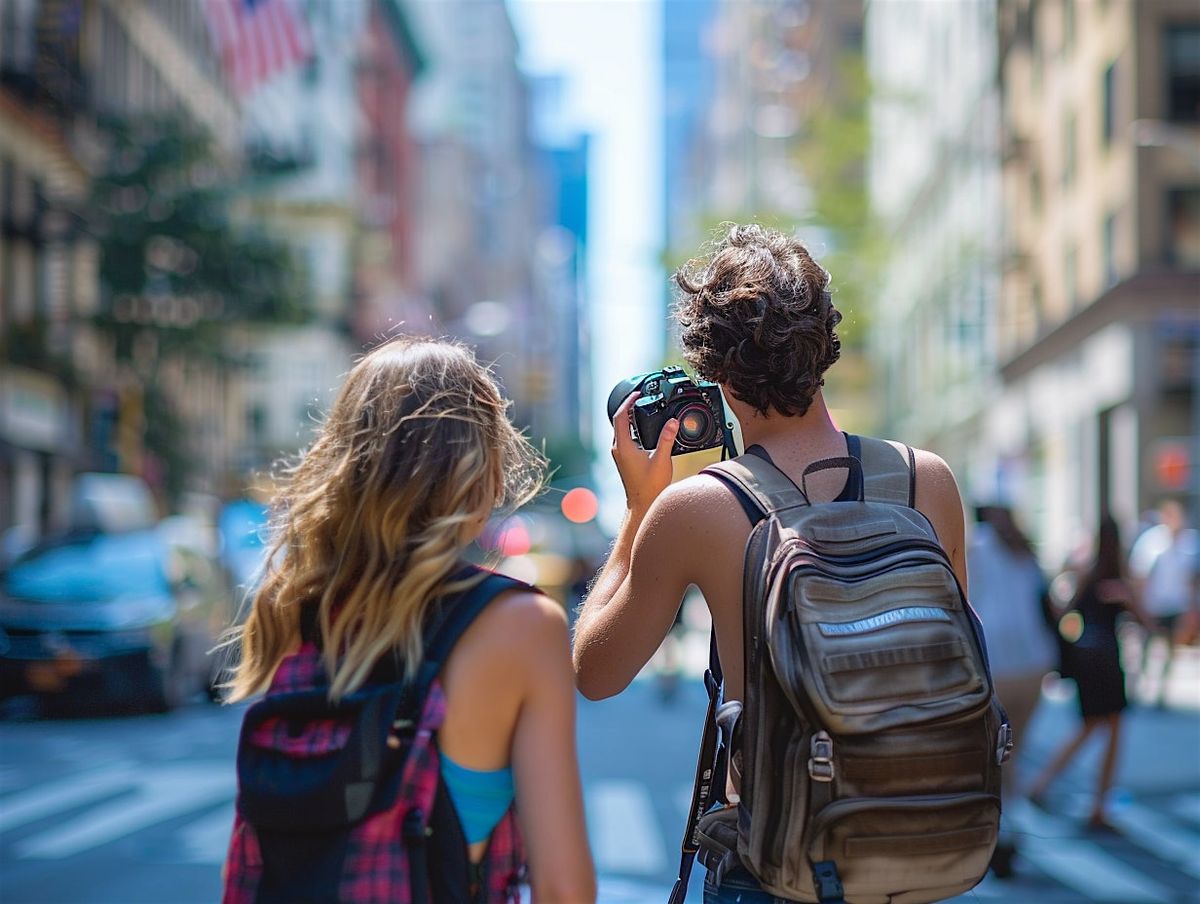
column 1092, row 657
column 414, row 457
column 1008, row 592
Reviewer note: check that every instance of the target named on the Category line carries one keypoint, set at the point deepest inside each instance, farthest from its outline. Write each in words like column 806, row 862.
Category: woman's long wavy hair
column 371, row 522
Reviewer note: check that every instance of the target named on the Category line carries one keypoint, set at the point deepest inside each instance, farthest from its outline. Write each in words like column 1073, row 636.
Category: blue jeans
column 737, row 887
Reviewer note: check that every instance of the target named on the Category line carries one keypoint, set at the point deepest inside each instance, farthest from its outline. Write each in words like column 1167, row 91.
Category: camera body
column 671, row 393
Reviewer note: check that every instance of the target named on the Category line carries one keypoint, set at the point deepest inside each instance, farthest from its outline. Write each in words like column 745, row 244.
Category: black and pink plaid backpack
column 329, row 810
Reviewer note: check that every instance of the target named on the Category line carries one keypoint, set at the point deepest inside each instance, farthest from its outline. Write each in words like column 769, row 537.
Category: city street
column 125, row 810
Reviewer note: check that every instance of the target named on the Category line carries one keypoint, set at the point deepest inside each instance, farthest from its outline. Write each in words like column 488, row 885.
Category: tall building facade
column 1041, row 319
column 478, row 202
column 777, row 74
column 46, row 269
column 333, row 175
column 1099, row 326
column 68, row 400
column 560, row 268
column 389, row 62
column 935, row 187
column 688, row 33
column 775, row 66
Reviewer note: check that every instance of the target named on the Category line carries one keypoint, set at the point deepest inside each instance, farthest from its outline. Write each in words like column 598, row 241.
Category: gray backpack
column 869, row 742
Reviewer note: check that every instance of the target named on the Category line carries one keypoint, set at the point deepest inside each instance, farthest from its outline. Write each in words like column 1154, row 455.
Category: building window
column 1183, row 206
column 18, row 37
column 6, row 177
column 256, row 422
column 22, row 281
column 1035, row 190
column 5, row 283
column 1110, row 241
column 1068, row 167
column 21, row 200
column 1183, row 72
column 1109, row 95
column 1068, row 24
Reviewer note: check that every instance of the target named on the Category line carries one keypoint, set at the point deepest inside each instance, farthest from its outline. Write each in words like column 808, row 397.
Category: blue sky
column 609, row 51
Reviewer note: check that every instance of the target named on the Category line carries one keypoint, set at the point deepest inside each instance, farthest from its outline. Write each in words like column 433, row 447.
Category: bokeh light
column 580, row 505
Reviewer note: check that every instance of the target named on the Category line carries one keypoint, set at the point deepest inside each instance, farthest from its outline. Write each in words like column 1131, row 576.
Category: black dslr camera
column 669, row 393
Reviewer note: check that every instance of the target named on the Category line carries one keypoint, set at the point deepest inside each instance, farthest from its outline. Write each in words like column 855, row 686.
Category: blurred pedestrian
column 414, row 457
column 1093, row 658
column 1165, row 563
column 1008, row 591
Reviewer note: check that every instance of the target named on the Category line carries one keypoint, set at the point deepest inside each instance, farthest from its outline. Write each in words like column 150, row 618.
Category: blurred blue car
column 243, row 527
column 117, row 620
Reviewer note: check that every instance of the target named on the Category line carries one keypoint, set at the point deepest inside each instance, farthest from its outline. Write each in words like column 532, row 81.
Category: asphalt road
column 138, row 809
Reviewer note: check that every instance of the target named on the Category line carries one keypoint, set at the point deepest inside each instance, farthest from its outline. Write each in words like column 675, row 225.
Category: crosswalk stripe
column 1186, row 807
column 207, row 839
column 1161, row 837
column 625, row 834
column 622, row 891
column 30, row 806
column 9, row 779
column 1079, row 864
column 158, row 796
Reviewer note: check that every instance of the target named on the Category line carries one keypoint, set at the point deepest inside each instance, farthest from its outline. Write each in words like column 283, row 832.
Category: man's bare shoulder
column 933, row 471
column 701, row 496
column 938, row 498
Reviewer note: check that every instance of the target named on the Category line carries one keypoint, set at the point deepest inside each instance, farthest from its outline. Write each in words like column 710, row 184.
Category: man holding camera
column 757, row 319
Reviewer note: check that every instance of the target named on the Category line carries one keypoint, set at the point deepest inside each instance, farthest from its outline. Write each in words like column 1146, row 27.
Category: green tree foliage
column 174, row 261
column 831, row 152
column 178, row 268
column 833, row 156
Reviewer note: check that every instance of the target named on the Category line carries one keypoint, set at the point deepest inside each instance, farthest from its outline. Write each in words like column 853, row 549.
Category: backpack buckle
column 827, row 882
column 820, row 760
column 1004, row 743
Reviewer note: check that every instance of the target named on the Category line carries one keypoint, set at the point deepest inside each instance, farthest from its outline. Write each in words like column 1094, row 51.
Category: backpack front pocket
column 911, row 848
column 882, row 651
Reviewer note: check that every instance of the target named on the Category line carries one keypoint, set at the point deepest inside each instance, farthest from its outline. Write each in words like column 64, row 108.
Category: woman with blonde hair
column 417, row 722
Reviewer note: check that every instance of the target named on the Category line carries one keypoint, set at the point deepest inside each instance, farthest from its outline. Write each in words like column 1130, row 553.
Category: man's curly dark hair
column 757, row 317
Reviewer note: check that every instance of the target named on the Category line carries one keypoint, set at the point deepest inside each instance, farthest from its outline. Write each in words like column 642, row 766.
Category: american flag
column 257, row 38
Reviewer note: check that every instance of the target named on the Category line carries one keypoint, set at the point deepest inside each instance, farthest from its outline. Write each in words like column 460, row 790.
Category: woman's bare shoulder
column 523, row 612
column 520, row 626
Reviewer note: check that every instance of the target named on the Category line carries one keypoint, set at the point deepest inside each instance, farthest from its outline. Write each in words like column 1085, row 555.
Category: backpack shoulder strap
column 450, row 624
column 759, row 481
column 889, row 471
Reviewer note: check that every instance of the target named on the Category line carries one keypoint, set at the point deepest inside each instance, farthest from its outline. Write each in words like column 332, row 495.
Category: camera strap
column 706, row 773
column 728, row 446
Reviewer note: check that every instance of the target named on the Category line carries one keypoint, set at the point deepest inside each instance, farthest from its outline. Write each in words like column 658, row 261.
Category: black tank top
column 849, row 492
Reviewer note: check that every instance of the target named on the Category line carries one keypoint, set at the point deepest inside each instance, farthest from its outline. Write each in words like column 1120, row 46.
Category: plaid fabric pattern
column 504, row 867
column 376, row 868
column 301, row 671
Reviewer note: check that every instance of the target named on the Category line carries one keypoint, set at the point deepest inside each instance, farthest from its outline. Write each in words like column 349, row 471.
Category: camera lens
column 696, row 427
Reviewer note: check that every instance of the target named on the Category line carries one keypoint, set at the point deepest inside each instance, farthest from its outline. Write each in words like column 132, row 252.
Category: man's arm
column 939, row 500
column 613, row 638
column 622, row 622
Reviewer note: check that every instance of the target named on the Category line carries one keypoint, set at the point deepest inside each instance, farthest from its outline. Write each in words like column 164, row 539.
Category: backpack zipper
column 911, row 545
column 896, row 563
